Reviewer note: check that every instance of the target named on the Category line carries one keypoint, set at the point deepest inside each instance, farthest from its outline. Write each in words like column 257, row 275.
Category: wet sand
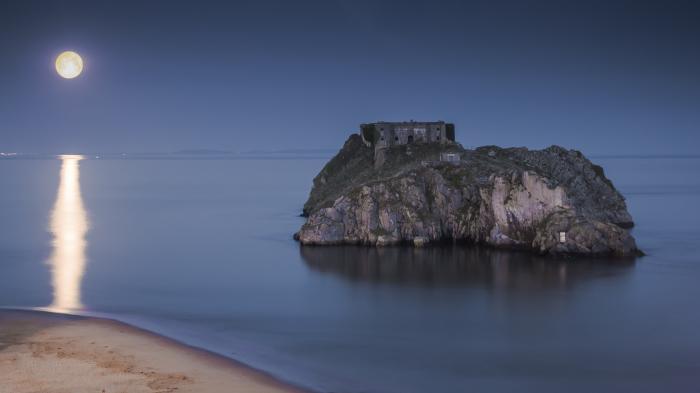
column 53, row 353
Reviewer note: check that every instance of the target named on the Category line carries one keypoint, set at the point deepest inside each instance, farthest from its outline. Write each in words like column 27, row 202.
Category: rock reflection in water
column 455, row 265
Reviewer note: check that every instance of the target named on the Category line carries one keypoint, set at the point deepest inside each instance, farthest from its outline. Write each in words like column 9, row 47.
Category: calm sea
column 202, row 250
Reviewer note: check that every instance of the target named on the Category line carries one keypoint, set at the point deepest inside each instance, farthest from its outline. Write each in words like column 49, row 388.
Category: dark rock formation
column 552, row 201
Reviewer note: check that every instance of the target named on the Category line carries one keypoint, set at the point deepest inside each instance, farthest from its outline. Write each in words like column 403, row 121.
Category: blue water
column 201, row 250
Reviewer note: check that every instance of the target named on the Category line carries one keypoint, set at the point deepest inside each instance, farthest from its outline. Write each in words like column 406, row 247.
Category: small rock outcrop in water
column 552, row 201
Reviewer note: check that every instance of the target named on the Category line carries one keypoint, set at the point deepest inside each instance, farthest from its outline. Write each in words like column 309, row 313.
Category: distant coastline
column 315, row 153
column 185, row 155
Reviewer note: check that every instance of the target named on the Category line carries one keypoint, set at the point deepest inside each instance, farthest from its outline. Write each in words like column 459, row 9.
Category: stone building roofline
column 386, row 134
column 408, row 122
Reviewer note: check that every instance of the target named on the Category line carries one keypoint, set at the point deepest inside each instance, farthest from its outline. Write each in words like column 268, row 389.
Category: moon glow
column 69, row 64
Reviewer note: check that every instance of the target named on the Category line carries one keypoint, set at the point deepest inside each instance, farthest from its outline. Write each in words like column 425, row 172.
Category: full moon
column 69, row 64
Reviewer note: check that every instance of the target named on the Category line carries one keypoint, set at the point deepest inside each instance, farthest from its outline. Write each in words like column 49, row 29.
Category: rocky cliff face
column 552, row 201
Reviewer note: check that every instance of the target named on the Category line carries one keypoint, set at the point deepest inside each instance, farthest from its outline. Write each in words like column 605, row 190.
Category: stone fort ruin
column 386, row 134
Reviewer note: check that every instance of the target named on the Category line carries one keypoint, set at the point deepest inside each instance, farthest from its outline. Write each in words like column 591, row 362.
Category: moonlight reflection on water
column 69, row 225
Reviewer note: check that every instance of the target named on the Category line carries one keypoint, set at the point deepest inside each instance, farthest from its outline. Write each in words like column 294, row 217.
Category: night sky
column 604, row 77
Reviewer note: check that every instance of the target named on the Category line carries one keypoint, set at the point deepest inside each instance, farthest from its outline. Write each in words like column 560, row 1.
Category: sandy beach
column 44, row 352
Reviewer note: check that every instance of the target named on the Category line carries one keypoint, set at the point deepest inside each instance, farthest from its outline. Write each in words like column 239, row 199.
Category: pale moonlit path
column 69, row 225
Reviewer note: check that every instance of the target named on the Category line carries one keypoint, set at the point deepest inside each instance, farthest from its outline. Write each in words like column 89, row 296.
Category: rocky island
column 411, row 183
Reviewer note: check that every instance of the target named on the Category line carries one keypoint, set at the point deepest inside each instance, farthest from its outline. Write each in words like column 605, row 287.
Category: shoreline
column 104, row 353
